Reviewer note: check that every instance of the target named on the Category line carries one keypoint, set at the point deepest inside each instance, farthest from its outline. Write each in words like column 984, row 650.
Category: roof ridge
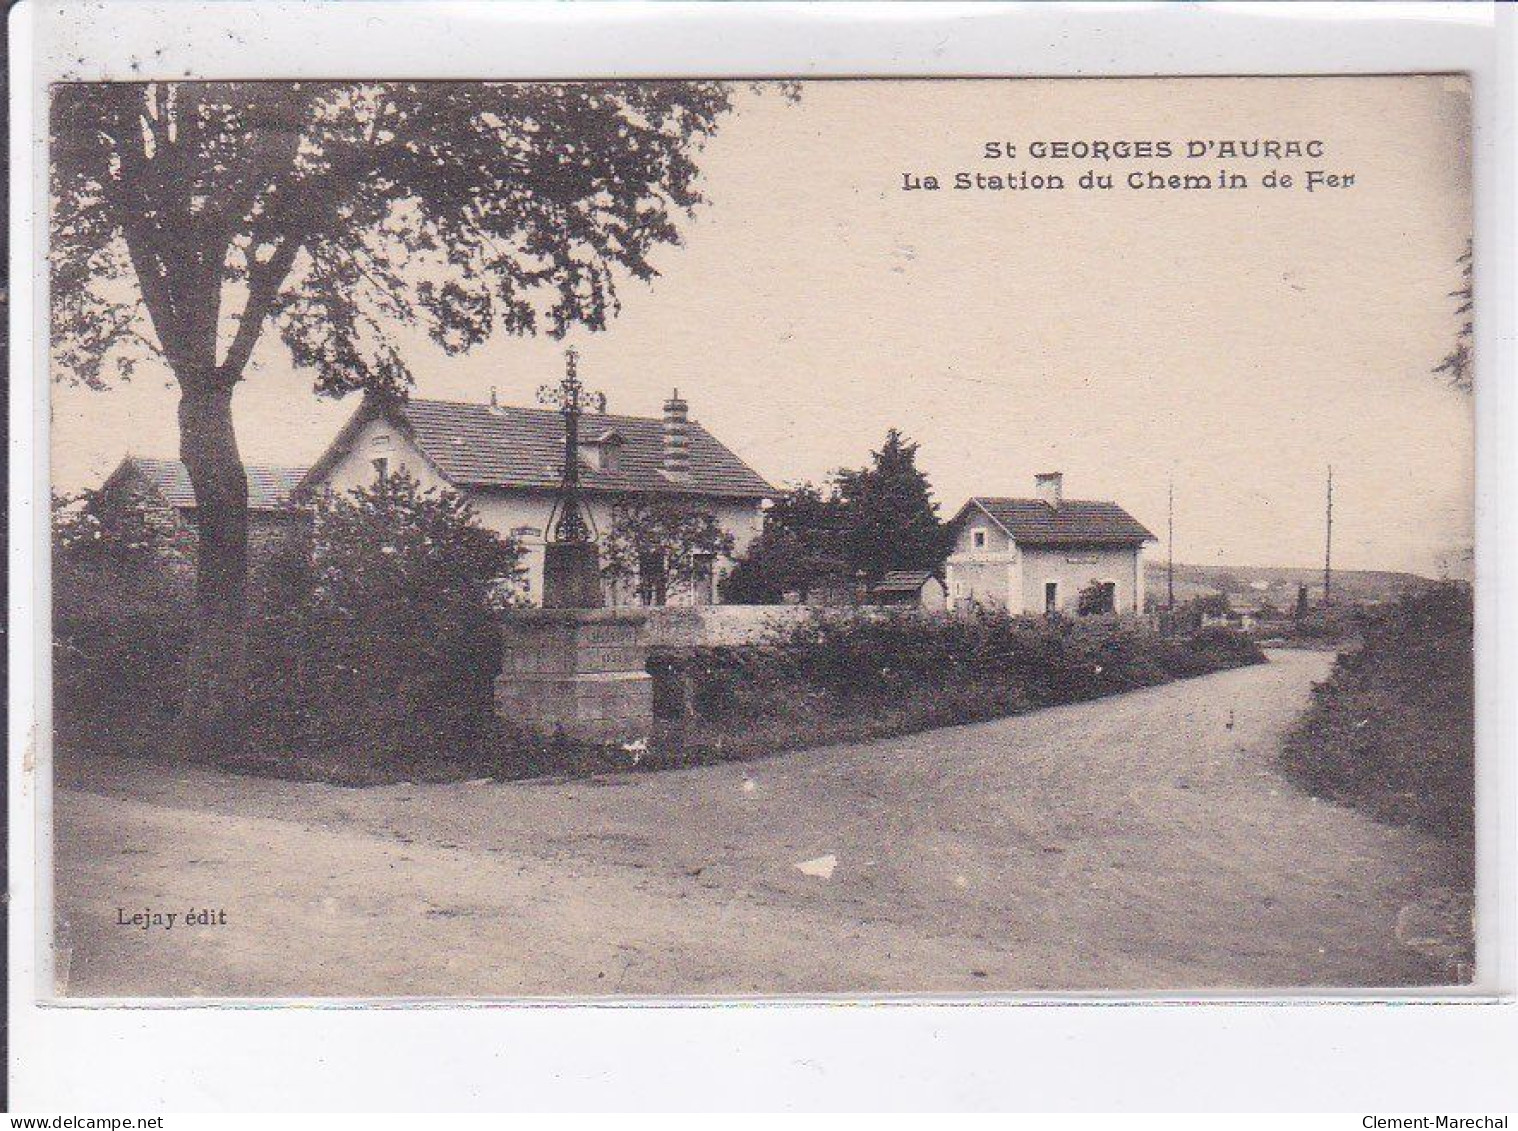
column 498, row 410
column 269, row 484
column 171, row 461
column 1031, row 499
column 477, row 445
column 1036, row 521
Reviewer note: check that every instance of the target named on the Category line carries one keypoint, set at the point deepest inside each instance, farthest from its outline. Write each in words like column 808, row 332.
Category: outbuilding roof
column 1073, row 522
column 903, row 581
column 483, row 447
column 269, row 487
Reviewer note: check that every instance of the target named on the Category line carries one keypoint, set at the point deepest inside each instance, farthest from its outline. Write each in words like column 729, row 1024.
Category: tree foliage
column 799, row 549
column 109, row 528
column 119, row 625
column 890, row 518
column 867, row 521
column 1458, row 365
column 653, row 543
column 396, row 541
column 337, row 210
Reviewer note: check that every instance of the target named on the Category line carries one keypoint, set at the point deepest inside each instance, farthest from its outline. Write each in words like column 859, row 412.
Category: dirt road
column 1137, row 842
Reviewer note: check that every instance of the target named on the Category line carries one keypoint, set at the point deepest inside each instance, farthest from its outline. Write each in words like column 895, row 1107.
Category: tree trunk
column 215, row 711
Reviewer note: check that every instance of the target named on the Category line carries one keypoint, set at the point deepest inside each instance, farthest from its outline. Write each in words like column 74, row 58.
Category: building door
column 1097, row 599
column 703, row 580
column 1106, row 597
column 652, row 578
column 1051, row 597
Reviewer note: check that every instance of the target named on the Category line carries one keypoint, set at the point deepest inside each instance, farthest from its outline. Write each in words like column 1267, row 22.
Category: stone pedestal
column 576, row 672
column 572, row 576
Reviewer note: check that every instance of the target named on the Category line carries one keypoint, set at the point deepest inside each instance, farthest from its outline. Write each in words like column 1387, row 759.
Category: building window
column 603, row 452
column 381, row 468
column 1051, row 596
column 978, row 539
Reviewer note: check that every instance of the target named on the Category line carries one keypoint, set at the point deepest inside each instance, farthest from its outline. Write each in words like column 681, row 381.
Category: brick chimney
column 676, row 437
column 1050, row 486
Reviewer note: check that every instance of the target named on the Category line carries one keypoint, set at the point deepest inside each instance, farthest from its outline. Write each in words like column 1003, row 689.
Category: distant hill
column 1250, row 587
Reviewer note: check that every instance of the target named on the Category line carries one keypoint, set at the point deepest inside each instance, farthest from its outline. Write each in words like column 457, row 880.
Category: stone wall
column 733, row 625
column 720, row 625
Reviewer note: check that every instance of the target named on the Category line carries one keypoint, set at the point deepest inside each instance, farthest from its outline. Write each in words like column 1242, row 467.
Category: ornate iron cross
column 569, row 521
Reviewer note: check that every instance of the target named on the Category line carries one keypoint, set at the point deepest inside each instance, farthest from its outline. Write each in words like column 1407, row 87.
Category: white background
column 1359, row 1056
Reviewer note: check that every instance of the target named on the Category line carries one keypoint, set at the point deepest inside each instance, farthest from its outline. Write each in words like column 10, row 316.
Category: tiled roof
column 1075, row 522
column 474, row 445
column 268, row 487
column 902, row 581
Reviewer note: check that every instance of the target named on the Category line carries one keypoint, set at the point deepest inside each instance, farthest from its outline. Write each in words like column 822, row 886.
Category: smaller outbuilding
column 910, row 587
column 160, row 490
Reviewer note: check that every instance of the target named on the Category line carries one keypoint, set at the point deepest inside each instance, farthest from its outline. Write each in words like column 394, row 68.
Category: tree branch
column 264, row 281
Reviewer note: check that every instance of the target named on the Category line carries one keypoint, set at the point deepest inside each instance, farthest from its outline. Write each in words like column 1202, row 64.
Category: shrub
column 1392, row 730
column 121, row 623
column 840, row 676
column 372, row 641
column 1323, row 628
column 374, row 646
column 378, row 646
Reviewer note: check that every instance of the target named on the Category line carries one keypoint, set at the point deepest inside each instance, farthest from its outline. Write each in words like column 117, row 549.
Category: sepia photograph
column 710, row 538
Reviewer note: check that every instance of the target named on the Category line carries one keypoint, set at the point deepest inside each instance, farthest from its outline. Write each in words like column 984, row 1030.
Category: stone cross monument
column 571, row 564
column 573, row 668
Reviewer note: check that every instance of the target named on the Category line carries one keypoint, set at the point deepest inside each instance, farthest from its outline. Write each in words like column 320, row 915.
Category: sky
column 1234, row 343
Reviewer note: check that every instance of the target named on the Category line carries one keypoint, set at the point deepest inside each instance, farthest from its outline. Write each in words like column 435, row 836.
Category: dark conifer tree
column 890, row 519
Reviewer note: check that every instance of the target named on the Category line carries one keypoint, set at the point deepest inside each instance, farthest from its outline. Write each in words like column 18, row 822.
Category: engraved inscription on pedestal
column 576, row 672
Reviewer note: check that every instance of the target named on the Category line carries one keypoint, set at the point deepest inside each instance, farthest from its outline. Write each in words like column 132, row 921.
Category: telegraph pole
column 1328, row 541
column 1170, row 545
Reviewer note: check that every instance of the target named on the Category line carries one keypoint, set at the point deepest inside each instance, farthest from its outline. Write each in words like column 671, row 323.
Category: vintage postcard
column 714, row 538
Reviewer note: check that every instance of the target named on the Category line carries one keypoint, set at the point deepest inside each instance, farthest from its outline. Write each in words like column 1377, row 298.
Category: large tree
column 188, row 218
column 890, row 517
column 800, row 549
column 865, row 523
